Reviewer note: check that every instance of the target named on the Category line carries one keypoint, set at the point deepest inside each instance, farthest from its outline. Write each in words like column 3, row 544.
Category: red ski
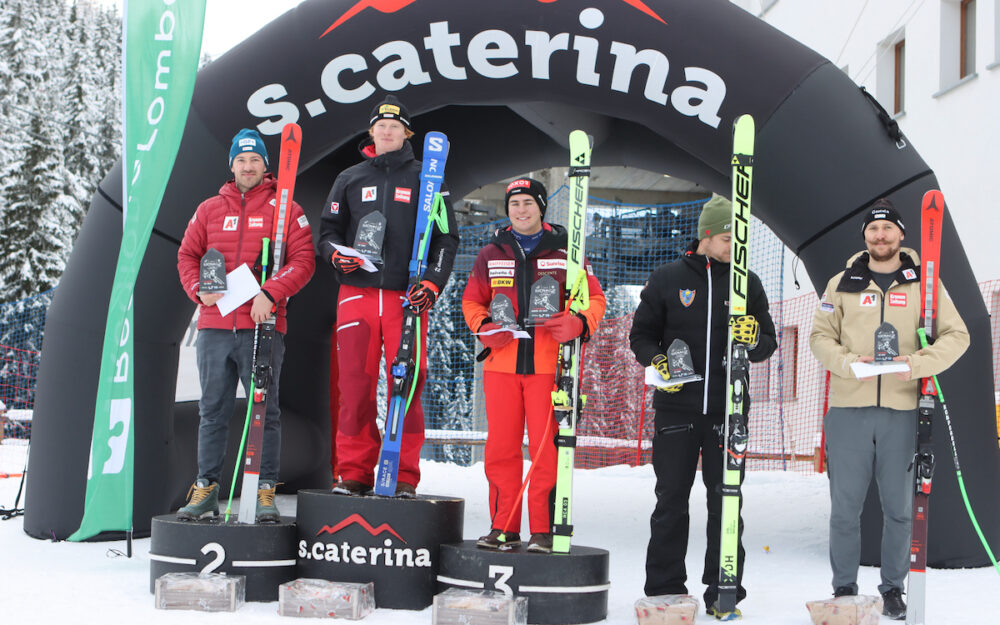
column 931, row 220
column 288, row 165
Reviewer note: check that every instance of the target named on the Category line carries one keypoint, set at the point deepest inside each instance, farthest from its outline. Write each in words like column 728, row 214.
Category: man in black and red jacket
column 687, row 299
column 519, row 374
column 373, row 206
column 235, row 222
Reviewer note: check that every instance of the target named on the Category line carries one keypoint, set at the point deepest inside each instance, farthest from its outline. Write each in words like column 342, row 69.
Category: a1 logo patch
column 368, row 194
column 897, row 299
column 868, row 299
column 231, row 223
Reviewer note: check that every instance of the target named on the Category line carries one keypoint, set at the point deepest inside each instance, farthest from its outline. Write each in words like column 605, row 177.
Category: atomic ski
column 261, row 378
column 735, row 434
column 405, row 366
column 931, row 220
column 567, row 402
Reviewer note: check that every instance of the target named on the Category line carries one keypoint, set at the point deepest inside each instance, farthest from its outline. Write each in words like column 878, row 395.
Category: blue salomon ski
column 430, row 211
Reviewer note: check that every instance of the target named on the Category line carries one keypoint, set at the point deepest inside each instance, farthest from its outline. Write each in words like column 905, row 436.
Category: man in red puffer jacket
column 235, row 222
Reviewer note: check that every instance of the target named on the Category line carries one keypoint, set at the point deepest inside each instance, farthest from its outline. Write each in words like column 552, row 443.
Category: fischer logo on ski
column 735, row 434
column 567, row 401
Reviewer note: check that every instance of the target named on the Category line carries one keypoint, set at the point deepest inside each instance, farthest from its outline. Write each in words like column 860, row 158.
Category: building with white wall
column 934, row 65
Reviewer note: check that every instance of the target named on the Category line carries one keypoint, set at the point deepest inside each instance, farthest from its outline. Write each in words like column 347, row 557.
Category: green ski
column 735, row 434
column 567, row 402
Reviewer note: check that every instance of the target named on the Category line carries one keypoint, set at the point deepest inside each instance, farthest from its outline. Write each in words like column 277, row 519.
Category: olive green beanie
column 716, row 217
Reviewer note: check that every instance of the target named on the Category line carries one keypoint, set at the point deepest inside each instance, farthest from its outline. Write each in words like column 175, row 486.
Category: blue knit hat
column 247, row 140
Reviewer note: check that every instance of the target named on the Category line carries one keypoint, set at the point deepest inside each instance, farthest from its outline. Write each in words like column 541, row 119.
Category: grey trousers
column 225, row 358
column 860, row 442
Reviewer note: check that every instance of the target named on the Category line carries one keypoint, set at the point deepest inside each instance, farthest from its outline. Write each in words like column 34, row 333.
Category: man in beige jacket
column 872, row 422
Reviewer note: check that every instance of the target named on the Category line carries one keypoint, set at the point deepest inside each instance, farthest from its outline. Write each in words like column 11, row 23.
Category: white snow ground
column 786, row 541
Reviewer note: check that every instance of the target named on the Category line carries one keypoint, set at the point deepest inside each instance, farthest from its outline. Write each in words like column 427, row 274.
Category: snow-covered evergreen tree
column 60, row 121
column 35, row 216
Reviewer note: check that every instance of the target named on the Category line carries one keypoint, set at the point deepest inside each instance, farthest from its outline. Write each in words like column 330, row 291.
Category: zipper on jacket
column 708, row 333
column 881, row 320
column 385, row 235
column 523, row 290
column 239, row 241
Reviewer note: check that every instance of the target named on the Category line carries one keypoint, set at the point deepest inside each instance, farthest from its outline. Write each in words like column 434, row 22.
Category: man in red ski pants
column 372, row 208
column 518, row 374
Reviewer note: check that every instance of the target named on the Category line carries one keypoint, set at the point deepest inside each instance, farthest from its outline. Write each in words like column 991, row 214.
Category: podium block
column 392, row 542
column 561, row 588
column 264, row 554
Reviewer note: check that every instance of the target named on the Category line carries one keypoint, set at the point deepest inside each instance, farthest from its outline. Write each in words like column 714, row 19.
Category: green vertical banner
column 161, row 45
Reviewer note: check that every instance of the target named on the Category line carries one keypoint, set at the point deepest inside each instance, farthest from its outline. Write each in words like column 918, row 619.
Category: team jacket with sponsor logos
column 390, row 184
column 844, row 325
column 235, row 224
column 687, row 299
column 502, row 268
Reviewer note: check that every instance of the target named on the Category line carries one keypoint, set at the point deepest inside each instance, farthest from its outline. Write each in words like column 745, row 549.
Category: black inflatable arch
column 657, row 83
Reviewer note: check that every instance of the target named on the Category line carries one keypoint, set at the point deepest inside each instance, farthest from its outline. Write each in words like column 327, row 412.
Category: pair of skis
column 735, row 433
column 261, row 372
column 567, row 401
column 931, row 220
column 405, row 366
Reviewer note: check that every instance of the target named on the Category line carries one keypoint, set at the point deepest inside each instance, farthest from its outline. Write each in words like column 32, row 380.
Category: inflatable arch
column 656, row 82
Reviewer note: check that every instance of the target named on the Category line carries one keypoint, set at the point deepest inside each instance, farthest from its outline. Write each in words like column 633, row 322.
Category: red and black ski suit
column 369, row 305
column 518, row 378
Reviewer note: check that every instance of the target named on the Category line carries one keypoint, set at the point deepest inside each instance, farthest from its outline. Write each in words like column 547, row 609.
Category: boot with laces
column 203, row 500
column 267, row 512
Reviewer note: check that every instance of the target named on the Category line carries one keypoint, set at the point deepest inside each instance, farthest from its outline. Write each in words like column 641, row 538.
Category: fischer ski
column 735, row 435
column 567, row 402
column 931, row 219
column 405, row 367
column 261, row 371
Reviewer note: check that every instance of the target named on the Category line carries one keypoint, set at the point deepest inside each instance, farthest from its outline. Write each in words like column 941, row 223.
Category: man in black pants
column 688, row 299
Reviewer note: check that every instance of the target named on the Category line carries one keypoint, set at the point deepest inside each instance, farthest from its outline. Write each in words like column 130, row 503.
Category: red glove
column 564, row 327
column 344, row 263
column 422, row 296
column 494, row 341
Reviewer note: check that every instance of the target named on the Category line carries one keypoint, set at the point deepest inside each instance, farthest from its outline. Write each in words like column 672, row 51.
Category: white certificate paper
column 241, row 285
column 868, row 370
column 517, row 332
column 653, row 378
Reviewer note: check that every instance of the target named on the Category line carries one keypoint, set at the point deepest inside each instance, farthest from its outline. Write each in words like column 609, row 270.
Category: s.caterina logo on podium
column 496, row 54
column 389, row 554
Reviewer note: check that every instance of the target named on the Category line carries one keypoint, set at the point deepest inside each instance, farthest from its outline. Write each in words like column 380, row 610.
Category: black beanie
column 883, row 209
column 390, row 108
column 529, row 186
